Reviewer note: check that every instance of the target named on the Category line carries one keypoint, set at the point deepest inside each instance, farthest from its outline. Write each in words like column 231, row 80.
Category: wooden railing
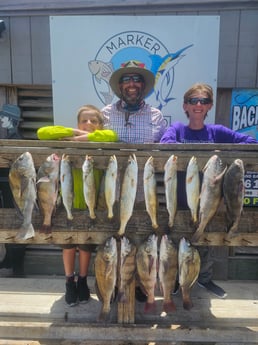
column 139, row 226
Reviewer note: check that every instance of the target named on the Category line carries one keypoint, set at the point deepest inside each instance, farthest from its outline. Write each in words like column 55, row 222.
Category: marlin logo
column 140, row 46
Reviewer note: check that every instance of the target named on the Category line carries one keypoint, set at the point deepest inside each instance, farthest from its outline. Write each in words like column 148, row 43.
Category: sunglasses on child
column 125, row 79
column 194, row 101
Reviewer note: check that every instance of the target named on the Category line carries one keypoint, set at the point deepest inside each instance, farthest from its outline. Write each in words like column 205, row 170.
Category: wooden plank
column 232, row 320
column 138, row 228
column 40, row 44
column 21, row 53
column 228, row 48
column 65, row 4
column 5, row 65
column 247, row 63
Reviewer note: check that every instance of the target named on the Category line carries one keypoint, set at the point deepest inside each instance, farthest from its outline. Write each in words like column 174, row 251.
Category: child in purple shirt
column 198, row 100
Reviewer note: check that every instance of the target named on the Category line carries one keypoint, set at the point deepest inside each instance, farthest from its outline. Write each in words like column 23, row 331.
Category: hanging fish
column 66, row 181
column 149, row 185
column 234, row 192
column 22, row 181
column 170, row 182
column 192, row 183
column 189, row 267
column 106, row 275
column 168, row 262
column 128, row 193
column 110, row 185
column 89, row 188
column 127, row 267
column 47, row 189
column 146, row 263
column 211, row 193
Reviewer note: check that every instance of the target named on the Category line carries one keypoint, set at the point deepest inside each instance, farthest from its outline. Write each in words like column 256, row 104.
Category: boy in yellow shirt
column 90, row 128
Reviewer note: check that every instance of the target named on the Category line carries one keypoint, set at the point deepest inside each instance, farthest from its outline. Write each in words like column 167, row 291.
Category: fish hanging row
column 30, row 189
column 116, row 265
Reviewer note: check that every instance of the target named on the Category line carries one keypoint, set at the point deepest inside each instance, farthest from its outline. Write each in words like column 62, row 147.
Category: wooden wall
column 25, row 48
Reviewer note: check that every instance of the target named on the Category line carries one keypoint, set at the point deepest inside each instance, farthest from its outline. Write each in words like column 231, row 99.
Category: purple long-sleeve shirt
column 180, row 133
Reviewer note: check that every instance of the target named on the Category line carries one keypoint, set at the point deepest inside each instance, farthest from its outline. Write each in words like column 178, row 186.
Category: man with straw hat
column 130, row 117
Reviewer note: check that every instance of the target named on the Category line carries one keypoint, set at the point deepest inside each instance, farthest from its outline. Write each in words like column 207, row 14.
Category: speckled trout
column 22, row 181
column 66, row 181
column 189, row 267
column 128, row 193
column 110, row 185
column 150, row 196
column 192, row 186
column 89, row 187
column 170, row 182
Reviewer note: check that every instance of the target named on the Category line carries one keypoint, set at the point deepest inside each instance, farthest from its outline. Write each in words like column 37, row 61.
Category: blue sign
column 244, row 111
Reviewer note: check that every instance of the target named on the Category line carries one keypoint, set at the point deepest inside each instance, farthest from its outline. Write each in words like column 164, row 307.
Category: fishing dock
column 33, row 309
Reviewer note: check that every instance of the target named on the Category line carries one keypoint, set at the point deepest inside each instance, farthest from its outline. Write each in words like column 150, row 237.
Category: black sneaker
column 139, row 295
column 83, row 290
column 176, row 288
column 71, row 293
column 213, row 288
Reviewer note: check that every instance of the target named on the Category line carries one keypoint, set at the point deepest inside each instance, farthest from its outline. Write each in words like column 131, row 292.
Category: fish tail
column 150, row 308
column 187, row 305
column 169, row 306
column 25, row 232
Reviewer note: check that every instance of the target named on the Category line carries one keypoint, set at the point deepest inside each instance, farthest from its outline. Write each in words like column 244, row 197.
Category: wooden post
column 126, row 311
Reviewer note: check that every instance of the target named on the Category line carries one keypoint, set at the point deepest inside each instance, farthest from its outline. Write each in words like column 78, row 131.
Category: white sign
column 179, row 50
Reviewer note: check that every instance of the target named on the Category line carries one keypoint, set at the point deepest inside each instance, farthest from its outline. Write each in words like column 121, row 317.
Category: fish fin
column 43, row 179
column 25, row 232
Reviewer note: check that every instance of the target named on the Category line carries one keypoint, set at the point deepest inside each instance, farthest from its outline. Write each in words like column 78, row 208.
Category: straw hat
column 131, row 67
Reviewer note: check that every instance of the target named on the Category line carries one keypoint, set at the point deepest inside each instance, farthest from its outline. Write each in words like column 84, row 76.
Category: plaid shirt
column 146, row 125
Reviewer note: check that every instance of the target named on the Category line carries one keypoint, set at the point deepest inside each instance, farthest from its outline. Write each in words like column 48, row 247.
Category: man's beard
column 132, row 100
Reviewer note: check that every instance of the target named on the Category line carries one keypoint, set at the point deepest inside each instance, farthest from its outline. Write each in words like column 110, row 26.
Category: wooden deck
column 33, row 309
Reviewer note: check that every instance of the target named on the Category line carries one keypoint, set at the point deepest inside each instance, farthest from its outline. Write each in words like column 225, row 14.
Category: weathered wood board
column 34, row 308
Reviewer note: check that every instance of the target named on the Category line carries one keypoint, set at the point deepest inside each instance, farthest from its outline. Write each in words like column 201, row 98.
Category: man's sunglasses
column 194, row 101
column 127, row 78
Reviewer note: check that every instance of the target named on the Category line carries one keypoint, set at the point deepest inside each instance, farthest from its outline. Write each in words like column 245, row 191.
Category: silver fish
column 150, row 196
column 168, row 262
column 22, row 181
column 47, row 189
column 110, row 185
column 89, row 188
column 192, row 183
column 146, row 263
column 66, row 181
column 106, row 274
column 233, row 192
column 211, row 193
column 128, row 193
column 170, row 182
column 189, row 267
column 127, row 267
